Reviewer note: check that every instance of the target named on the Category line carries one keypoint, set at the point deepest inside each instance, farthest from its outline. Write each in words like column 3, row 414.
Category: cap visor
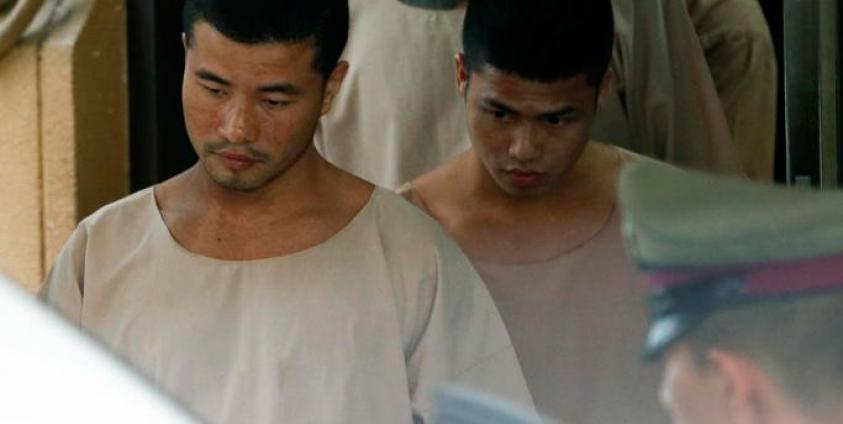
column 665, row 330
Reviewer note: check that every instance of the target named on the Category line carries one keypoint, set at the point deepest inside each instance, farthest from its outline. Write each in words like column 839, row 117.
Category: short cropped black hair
column 541, row 40
column 325, row 22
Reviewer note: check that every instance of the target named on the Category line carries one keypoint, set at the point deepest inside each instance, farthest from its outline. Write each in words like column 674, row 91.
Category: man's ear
column 747, row 390
column 333, row 85
column 605, row 86
column 184, row 41
column 462, row 74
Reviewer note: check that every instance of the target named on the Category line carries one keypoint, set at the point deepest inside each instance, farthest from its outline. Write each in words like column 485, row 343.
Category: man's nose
column 525, row 144
column 239, row 124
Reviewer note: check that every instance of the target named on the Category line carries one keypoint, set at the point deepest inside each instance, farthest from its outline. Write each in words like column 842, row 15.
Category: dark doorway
column 840, row 93
column 773, row 10
column 158, row 141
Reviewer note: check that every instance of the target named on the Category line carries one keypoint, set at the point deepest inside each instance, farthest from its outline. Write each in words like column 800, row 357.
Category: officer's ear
column 747, row 391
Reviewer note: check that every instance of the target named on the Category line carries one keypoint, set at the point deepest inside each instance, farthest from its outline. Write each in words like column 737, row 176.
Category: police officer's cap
column 704, row 243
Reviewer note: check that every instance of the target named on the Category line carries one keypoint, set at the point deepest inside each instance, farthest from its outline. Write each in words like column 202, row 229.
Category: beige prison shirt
column 358, row 329
column 578, row 323
column 398, row 111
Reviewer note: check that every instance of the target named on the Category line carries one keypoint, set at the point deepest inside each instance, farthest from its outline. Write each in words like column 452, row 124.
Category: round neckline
column 164, row 230
column 610, row 217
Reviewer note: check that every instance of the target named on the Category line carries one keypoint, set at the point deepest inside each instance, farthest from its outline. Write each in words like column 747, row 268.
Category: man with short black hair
column 746, row 293
column 264, row 284
column 532, row 205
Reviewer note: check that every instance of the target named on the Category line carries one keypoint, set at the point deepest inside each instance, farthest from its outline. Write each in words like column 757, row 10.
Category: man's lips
column 523, row 177
column 523, row 172
column 237, row 161
column 238, row 157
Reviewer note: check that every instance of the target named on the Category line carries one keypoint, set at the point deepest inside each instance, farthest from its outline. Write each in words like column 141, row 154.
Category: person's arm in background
column 739, row 51
column 670, row 100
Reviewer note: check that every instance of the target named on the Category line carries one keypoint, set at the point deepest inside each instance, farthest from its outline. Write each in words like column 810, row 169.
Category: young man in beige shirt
column 532, row 205
column 264, row 284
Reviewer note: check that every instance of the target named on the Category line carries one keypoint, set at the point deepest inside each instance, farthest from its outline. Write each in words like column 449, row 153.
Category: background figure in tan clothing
column 739, row 51
column 532, row 205
column 263, row 284
column 397, row 115
column 663, row 102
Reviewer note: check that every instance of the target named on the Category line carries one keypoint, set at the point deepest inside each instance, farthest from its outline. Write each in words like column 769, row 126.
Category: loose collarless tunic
column 578, row 323
column 358, row 329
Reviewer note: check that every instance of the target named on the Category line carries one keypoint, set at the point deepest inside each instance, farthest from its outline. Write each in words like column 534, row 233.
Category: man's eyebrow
column 494, row 104
column 282, row 88
column 563, row 111
column 207, row 75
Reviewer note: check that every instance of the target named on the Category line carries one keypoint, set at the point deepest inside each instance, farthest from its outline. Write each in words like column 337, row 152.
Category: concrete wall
column 20, row 166
column 64, row 128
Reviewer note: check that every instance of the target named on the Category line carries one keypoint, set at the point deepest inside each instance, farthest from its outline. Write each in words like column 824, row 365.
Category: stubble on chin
column 244, row 182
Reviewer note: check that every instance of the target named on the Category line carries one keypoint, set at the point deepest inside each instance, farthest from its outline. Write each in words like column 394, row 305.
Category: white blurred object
column 49, row 372
column 459, row 405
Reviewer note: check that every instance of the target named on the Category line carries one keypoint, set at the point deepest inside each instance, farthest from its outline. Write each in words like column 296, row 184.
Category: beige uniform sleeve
column 64, row 286
column 451, row 328
column 462, row 340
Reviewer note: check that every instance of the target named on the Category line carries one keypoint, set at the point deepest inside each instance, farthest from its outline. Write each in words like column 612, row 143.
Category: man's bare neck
column 194, row 189
column 296, row 186
column 300, row 209
column 493, row 227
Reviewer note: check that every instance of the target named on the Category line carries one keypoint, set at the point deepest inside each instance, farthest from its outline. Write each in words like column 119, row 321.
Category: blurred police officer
column 745, row 295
